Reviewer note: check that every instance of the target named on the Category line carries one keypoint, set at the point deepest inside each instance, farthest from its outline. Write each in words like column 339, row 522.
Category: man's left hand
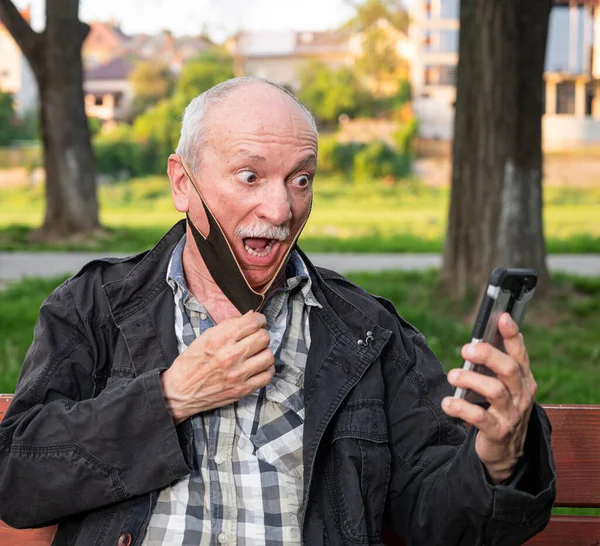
column 502, row 428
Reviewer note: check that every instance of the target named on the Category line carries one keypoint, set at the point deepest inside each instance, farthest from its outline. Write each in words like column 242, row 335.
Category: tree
column 161, row 124
column 150, row 82
column 202, row 73
column 55, row 58
column 329, row 93
column 495, row 213
column 380, row 24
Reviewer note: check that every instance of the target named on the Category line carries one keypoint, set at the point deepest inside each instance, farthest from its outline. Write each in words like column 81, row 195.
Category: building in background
column 572, row 77
column 572, row 90
column 16, row 76
column 104, row 43
column 280, row 56
column 108, row 93
column 434, row 33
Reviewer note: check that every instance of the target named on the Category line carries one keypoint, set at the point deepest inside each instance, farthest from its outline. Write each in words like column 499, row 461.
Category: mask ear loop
column 262, row 294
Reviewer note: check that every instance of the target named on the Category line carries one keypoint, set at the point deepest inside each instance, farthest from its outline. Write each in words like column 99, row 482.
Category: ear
column 179, row 183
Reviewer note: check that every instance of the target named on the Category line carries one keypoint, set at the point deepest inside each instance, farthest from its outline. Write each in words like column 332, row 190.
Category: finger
column 240, row 327
column 260, row 379
column 504, row 366
column 513, row 340
column 491, row 388
column 254, row 343
column 258, row 363
column 471, row 413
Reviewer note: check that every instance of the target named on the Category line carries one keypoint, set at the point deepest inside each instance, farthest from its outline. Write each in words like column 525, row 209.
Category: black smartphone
column 508, row 291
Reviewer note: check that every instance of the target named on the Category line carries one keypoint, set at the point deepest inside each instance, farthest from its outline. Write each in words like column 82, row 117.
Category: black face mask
column 223, row 265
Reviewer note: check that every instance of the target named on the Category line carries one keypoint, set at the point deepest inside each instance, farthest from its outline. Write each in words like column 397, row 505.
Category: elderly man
column 220, row 389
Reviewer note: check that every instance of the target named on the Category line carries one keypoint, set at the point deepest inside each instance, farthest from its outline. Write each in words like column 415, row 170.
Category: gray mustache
column 263, row 231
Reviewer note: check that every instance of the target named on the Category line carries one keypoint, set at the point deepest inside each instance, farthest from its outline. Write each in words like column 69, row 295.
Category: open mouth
column 258, row 247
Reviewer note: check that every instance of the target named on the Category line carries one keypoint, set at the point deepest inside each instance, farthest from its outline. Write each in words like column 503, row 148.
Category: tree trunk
column 55, row 58
column 496, row 198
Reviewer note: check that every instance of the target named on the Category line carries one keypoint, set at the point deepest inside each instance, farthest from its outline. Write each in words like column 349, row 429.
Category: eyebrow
column 251, row 157
column 308, row 161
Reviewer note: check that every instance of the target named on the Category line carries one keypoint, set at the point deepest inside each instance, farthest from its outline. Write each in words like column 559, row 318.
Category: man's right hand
column 224, row 364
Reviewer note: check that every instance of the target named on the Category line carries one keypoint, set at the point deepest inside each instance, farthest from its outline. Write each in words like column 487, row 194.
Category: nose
column 276, row 204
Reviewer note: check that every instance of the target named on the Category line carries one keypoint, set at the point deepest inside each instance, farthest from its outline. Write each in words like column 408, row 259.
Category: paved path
column 15, row 265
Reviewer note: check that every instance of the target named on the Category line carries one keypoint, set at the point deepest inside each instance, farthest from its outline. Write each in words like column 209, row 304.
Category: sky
column 220, row 18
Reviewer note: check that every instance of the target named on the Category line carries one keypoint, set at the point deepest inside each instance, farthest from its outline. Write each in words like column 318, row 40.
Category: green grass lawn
column 561, row 330
column 366, row 217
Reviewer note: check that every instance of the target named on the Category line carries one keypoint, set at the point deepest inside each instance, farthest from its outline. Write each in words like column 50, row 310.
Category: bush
column 404, row 138
column 119, row 153
column 329, row 93
column 378, row 160
column 337, row 158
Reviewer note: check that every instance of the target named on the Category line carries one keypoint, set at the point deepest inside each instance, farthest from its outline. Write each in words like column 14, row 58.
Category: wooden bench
column 576, row 447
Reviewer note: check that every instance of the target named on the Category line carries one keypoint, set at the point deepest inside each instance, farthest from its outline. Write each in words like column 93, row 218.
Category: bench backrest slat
column 576, row 447
column 565, row 530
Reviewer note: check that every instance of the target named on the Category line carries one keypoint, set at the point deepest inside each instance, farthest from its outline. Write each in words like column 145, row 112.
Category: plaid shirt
column 246, row 487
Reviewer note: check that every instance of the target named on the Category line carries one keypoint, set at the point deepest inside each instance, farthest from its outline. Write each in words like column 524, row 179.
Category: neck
column 201, row 284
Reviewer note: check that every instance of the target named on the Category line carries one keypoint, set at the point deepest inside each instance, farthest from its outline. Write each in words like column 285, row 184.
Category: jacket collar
column 142, row 306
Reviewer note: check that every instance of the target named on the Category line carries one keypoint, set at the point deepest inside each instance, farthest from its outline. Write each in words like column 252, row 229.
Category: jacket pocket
column 358, row 469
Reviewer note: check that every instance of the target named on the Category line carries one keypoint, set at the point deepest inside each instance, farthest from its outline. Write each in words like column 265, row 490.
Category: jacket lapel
column 336, row 362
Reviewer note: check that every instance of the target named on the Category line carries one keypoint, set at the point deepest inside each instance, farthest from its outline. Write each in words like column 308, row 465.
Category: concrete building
column 16, row 76
column 572, row 75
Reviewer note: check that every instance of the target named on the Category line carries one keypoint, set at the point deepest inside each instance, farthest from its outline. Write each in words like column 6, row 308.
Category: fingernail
column 470, row 350
column 453, row 375
column 446, row 402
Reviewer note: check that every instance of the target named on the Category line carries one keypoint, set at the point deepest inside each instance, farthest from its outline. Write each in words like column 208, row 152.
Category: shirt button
column 203, row 316
column 219, row 460
column 223, row 538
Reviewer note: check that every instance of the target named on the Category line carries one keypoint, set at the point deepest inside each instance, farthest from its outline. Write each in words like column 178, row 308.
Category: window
column 450, row 9
column 589, row 98
column 565, row 98
column 442, row 74
column 98, row 101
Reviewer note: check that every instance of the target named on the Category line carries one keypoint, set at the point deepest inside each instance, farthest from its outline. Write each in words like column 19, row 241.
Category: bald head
column 237, row 103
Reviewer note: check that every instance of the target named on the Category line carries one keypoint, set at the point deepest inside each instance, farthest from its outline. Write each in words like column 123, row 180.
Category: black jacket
column 88, row 442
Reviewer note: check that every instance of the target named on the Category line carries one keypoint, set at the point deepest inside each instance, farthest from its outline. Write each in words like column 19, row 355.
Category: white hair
column 193, row 127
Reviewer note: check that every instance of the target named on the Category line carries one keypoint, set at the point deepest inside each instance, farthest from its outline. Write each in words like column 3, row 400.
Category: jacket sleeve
column 439, row 492
column 64, row 450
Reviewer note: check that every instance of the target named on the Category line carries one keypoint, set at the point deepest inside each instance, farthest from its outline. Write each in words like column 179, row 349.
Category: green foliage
column 329, row 93
column 379, row 23
column 95, row 126
column 378, row 160
column 361, row 162
column 370, row 12
column 150, row 82
column 206, row 71
column 119, row 153
column 9, row 129
column 405, row 136
column 337, row 158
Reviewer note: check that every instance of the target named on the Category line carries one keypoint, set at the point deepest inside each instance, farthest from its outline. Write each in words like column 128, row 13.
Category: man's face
column 256, row 173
